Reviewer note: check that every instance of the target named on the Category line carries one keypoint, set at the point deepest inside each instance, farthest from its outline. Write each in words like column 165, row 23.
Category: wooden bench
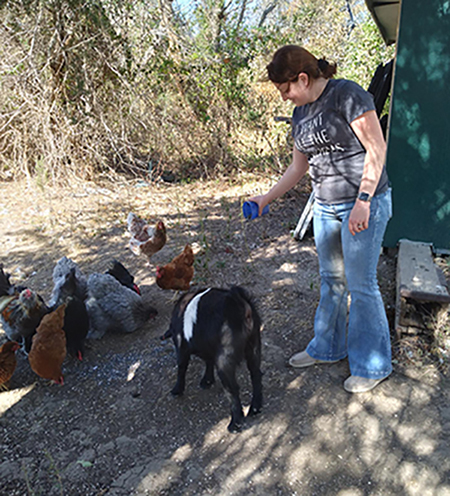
column 420, row 284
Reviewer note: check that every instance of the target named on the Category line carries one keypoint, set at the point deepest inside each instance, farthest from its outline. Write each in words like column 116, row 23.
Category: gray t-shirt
column 322, row 132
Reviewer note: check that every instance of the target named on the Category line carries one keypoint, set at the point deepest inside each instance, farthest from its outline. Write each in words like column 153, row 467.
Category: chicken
column 114, row 307
column 21, row 311
column 6, row 288
column 145, row 240
column 77, row 286
column 8, row 362
column 48, row 349
column 118, row 271
column 178, row 273
column 76, row 318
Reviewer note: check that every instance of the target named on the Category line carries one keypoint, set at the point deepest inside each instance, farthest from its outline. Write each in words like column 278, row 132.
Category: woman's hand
column 359, row 217
column 261, row 201
column 291, row 177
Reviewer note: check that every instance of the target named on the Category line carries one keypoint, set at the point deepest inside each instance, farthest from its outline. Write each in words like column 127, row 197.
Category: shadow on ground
column 114, row 429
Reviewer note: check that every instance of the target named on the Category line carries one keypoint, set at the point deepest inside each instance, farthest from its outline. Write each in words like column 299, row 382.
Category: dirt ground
column 114, row 429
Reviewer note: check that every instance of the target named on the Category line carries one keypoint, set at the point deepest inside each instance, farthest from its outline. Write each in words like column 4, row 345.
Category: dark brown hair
column 290, row 60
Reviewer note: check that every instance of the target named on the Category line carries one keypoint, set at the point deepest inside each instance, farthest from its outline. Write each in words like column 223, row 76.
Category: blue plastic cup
column 250, row 210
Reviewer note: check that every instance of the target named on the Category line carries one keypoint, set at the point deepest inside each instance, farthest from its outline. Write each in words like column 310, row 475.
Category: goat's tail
column 240, row 309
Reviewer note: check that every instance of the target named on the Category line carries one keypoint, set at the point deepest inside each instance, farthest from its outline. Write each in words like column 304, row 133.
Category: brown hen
column 178, row 273
column 8, row 362
column 48, row 349
column 145, row 239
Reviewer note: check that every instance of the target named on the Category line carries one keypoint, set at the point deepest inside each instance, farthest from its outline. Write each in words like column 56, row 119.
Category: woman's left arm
column 368, row 130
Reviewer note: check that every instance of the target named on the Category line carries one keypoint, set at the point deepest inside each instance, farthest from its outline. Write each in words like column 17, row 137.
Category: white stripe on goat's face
column 190, row 315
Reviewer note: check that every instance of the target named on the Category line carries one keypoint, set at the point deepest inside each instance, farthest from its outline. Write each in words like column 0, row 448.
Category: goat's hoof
column 254, row 411
column 206, row 384
column 176, row 391
column 235, row 427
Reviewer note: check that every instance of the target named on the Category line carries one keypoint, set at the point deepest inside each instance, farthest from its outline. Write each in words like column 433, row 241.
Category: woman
column 338, row 137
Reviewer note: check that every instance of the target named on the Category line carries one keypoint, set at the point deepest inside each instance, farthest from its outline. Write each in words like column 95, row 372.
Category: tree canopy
column 143, row 87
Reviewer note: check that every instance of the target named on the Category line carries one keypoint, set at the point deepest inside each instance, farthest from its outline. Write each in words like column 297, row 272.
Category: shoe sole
column 366, row 389
column 315, row 362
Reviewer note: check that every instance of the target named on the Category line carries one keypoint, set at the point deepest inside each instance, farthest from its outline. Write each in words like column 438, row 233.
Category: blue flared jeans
column 348, row 265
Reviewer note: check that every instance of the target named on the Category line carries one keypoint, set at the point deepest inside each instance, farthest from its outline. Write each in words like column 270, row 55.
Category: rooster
column 8, row 362
column 21, row 311
column 48, row 349
column 145, row 239
column 178, row 273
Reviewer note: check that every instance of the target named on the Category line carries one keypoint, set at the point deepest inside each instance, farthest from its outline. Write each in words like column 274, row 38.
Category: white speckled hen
column 112, row 307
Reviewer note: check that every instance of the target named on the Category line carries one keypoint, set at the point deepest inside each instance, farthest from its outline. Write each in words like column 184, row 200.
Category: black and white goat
column 222, row 327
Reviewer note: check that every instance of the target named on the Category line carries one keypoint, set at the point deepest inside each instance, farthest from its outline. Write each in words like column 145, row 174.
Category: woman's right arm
column 290, row 178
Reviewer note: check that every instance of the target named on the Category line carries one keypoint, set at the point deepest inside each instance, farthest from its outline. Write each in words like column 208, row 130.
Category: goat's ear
column 184, row 302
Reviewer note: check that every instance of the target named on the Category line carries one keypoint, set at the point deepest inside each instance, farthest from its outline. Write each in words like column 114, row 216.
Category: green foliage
column 365, row 51
column 91, row 87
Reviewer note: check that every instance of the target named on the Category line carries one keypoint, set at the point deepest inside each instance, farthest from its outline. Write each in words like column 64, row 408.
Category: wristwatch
column 365, row 197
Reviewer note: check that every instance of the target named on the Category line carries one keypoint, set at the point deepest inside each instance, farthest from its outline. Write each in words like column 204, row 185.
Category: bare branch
column 266, row 12
column 241, row 14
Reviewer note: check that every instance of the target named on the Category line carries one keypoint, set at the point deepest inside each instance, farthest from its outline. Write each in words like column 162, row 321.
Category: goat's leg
column 183, row 362
column 208, row 378
column 227, row 375
column 253, row 358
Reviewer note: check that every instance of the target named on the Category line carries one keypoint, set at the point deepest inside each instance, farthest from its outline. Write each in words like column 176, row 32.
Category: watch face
column 364, row 197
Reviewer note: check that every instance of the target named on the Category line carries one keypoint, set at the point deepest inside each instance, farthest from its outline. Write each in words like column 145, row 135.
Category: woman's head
column 291, row 60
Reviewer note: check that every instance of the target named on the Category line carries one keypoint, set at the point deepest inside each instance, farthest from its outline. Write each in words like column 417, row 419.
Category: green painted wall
column 418, row 157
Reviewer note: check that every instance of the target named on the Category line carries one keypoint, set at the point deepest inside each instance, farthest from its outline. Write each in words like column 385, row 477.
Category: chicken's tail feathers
column 131, row 217
column 134, row 224
column 5, row 285
column 122, row 274
column 189, row 254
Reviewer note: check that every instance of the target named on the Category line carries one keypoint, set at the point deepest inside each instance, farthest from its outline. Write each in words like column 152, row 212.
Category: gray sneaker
column 356, row 384
column 302, row 359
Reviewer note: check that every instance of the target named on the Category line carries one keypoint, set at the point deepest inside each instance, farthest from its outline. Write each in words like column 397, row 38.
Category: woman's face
column 295, row 91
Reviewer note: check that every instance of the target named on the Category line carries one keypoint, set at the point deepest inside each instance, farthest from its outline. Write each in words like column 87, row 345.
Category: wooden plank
column 420, row 283
column 418, row 276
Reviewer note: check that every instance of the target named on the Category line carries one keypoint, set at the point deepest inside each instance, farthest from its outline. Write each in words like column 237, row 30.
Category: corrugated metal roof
column 386, row 14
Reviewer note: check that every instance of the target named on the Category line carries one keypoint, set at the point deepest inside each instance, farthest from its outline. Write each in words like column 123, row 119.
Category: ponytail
column 290, row 60
column 326, row 69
